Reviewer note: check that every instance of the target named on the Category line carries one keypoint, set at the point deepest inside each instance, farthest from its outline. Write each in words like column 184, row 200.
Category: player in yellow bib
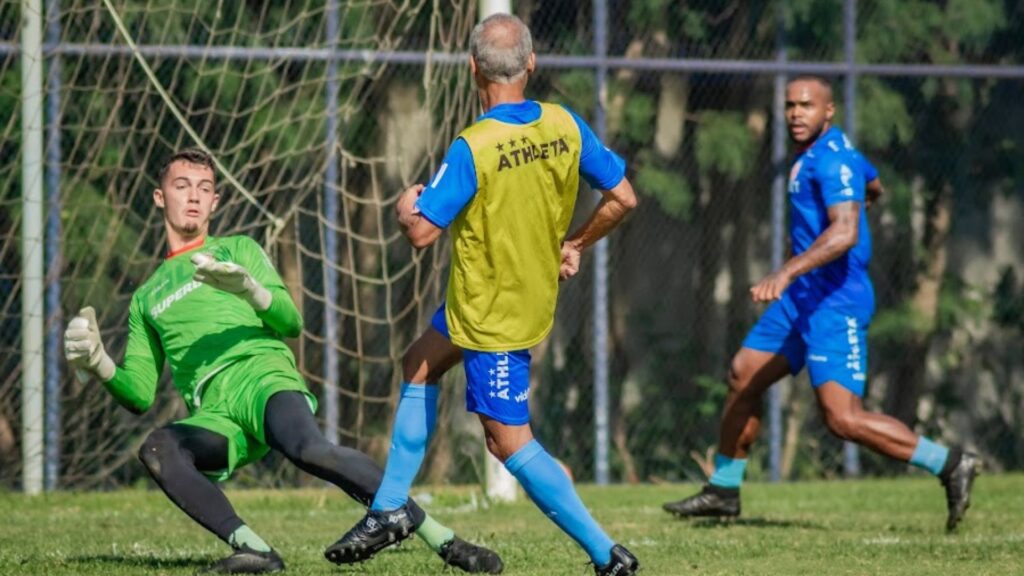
column 217, row 312
column 506, row 189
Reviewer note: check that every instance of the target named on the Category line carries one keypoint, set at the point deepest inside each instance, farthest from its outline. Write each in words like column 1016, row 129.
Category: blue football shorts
column 831, row 342
column 497, row 383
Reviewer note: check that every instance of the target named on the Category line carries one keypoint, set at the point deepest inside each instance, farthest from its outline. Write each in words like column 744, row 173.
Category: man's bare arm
column 420, row 231
column 610, row 211
column 872, row 192
column 836, row 240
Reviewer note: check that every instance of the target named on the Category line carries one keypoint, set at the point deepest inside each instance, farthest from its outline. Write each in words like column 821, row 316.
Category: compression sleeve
column 451, row 188
column 282, row 316
column 134, row 383
column 599, row 166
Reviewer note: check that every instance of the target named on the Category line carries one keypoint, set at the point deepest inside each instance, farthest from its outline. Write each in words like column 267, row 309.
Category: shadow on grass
column 148, row 561
column 755, row 523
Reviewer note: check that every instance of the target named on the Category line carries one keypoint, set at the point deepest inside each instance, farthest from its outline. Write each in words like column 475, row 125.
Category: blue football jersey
column 829, row 172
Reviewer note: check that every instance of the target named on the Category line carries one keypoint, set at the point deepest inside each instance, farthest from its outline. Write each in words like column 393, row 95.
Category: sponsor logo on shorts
column 853, row 359
column 500, row 382
column 817, row 358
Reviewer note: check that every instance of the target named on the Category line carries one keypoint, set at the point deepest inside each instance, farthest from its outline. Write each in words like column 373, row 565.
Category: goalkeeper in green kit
column 217, row 311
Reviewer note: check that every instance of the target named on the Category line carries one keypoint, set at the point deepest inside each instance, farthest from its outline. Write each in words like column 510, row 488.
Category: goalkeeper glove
column 83, row 348
column 231, row 277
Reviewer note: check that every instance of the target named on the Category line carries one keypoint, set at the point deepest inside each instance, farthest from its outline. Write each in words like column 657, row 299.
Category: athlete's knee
column 499, row 449
column 311, row 452
column 504, row 441
column 740, row 378
column 159, row 446
column 844, row 423
column 288, row 433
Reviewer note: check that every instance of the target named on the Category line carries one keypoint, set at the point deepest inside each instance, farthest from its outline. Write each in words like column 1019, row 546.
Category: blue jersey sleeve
column 451, row 188
column 841, row 179
column 599, row 166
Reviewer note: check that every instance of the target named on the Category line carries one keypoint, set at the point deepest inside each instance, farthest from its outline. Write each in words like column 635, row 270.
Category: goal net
column 318, row 113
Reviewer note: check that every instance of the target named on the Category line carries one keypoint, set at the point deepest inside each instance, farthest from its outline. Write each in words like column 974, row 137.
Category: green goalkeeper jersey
column 197, row 329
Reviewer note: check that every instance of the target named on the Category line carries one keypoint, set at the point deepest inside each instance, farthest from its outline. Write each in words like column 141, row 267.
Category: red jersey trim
column 190, row 246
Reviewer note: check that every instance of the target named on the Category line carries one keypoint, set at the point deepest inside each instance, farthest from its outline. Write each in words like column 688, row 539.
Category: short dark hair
column 190, row 155
column 813, row 78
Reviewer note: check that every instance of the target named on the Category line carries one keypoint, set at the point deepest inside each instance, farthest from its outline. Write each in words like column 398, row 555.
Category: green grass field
column 824, row 528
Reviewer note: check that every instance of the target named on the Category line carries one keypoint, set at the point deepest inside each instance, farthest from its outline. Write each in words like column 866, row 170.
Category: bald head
column 809, row 108
column 501, row 46
column 819, row 82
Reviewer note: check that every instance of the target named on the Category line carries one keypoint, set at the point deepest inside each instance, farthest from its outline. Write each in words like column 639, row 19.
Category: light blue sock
column 929, row 455
column 551, row 490
column 414, row 424
column 728, row 472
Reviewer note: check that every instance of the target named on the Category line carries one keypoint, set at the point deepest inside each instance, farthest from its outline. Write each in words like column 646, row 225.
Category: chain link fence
column 689, row 103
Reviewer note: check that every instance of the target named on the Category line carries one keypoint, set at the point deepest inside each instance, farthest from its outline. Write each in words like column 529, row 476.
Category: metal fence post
column 778, row 230
column 851, row 452
column 32, row 247
column 499, row 484
column 53, row 255
column 601, row 469
column 331, row 409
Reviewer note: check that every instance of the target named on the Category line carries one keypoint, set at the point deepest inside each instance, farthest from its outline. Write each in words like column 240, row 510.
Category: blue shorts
column 497, row 383
column 831, row 342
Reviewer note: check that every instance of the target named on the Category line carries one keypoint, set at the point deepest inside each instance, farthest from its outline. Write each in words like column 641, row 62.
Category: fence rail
column 705, row 65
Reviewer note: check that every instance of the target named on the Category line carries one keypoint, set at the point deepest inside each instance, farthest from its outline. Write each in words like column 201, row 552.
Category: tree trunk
column 6, row 440
column 670, row 127
column 952, row 118
column 791, row 441
column 619, row 326
column 925, row 304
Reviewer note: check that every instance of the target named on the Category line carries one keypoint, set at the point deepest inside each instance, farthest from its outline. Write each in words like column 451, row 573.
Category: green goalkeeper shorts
column 234, row 401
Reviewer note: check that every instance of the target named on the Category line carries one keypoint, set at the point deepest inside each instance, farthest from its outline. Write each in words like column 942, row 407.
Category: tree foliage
column 948, row 149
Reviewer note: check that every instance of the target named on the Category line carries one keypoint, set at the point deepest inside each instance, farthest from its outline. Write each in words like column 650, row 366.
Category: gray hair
column 501, row 45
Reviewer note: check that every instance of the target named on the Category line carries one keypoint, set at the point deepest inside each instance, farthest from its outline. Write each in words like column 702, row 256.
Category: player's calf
column 844, row 424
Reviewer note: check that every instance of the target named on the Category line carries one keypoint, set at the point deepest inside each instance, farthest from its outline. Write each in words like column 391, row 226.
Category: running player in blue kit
column 822, row 301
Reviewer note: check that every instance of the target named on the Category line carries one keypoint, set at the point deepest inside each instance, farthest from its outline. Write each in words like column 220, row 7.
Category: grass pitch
column 823, row 528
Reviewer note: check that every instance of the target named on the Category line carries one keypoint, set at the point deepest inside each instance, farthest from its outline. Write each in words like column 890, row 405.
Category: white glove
column 83, row 348
column 231, row 277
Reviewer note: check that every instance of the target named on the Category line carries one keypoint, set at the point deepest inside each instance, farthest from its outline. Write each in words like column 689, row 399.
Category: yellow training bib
column 506, row 243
